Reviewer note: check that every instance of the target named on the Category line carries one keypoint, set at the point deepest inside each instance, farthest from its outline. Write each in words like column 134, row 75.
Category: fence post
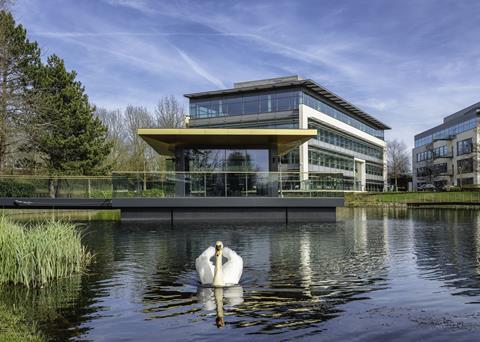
column 226, row 190
column 88, row 188
column 246, row 184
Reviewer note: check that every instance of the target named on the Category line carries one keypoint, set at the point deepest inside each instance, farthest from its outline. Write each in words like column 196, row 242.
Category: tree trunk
column 57, row 188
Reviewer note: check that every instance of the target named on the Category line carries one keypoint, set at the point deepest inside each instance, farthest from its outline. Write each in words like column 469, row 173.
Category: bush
column 470, row 187
column 152, row 193
column 34, row 256
column 102, row 194
column 12, row 188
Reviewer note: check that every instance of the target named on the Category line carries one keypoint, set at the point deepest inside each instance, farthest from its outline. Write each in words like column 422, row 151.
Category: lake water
column 374, row 275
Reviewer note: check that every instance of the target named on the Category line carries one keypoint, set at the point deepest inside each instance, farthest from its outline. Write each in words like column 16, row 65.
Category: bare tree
column 169, row 113
column 5, row 5
column 115, row 122
column 398, row 160
column 135, row 118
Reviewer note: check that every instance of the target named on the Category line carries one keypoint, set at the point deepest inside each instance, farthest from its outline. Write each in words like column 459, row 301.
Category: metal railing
column 179, row 184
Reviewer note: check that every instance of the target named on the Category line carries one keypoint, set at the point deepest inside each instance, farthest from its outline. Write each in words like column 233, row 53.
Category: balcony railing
column 437, row 156
column 171, row 184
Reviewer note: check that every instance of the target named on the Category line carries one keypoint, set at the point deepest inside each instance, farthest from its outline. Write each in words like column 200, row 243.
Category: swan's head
column 218, row 248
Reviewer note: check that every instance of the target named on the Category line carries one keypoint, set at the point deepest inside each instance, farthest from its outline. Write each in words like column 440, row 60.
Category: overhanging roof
column 309, row 84
column 164, row 140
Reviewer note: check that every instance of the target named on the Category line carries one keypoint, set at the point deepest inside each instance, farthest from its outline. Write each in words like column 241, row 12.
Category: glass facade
column 331, row 137
column 441, row 151
column 372, row 169
column 426, row 155
column 228, row 183
column 465, row 165
column 267, row 102
column 374, row 186
column 226, row 160
column 334, row 161
column 439, row 169
column 464, row 147
column 423, row 172
column 272, row 101
column 341, row 116
column 446, row 133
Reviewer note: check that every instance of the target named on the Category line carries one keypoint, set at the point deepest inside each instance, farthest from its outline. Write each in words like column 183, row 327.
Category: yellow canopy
column 164, row 140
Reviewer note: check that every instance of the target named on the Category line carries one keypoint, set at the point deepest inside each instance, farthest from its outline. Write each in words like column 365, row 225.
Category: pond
column 373, row 275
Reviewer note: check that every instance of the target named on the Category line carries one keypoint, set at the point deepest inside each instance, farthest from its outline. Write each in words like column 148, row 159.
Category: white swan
column 219, row 274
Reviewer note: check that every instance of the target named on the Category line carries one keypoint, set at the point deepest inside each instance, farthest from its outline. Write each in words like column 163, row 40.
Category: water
column 374, row 275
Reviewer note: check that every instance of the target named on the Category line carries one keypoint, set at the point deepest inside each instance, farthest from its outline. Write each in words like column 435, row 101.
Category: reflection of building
column 348, row 140
column 447, row 154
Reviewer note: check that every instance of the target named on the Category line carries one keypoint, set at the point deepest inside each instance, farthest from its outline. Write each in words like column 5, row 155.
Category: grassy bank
column 62, row 214
column 392, row 199
column 34, row 256
column 15, row 327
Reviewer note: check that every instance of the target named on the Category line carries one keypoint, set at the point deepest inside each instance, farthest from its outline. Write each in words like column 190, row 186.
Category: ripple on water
column 298, row 281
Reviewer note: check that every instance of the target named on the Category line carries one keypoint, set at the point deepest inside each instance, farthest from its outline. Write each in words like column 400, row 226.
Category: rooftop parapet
column 267, row 81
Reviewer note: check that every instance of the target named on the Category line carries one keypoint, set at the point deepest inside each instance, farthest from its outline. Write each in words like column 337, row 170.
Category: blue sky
column 407, row 62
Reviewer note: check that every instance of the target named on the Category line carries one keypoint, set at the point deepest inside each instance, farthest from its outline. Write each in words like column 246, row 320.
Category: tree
column 19, row 60
column 5, row 4
column 169, row 113
column 114, row 120
column 135, row 118
column 398, row 160
column 68, row 136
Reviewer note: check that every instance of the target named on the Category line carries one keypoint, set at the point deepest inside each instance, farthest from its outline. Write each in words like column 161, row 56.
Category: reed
column 36, row 255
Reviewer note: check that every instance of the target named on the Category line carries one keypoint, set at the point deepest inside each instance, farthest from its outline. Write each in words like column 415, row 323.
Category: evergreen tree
column 19, row 58
column 68, row 136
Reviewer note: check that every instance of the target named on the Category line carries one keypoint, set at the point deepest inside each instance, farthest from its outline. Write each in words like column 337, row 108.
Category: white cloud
column 200, row 70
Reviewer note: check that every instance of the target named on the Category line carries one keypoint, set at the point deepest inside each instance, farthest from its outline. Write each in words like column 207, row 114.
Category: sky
column 409, row 63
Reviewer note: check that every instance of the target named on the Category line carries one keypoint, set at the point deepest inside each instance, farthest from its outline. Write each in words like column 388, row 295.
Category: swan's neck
column 218, row 293
column 218, row 273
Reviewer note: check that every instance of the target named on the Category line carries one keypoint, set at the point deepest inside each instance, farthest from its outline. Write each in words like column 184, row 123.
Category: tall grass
column 34, row 256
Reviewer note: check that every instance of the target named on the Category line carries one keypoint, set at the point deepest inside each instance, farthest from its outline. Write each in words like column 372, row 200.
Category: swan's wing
column 204, row 266
column 233, row 268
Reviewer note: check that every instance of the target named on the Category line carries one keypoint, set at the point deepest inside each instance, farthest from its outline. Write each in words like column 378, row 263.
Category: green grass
column 37, row 255
column 396, row 198
column 14, row 327
column 61, row 214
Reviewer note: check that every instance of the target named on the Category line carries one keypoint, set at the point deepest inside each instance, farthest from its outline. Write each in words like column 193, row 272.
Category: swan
column 219, row 274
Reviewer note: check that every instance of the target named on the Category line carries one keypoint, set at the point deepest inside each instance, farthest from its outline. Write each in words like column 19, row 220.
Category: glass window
column 254, row 160
column 333, row 138
column 337, row 114
column 465, row 165
column 464, row 147
column 257, row 160
column 447, row 133
column 236, row 160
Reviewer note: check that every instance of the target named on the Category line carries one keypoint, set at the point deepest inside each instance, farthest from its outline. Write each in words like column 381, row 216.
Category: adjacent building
column 447, row 154
column 348, row 141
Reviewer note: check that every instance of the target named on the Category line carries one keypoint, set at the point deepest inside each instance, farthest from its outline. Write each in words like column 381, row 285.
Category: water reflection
column 296, row 278
column 218, row 297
